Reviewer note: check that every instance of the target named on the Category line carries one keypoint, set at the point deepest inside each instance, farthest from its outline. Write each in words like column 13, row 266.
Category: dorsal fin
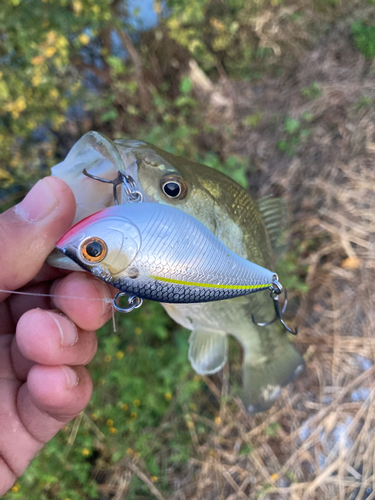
column 274, row 213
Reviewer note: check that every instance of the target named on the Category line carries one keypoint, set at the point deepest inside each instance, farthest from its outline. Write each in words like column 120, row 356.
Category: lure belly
column 160, row 253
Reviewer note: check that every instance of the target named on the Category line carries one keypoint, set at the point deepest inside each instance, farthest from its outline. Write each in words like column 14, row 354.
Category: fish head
column 200, row 191
column 104, row 244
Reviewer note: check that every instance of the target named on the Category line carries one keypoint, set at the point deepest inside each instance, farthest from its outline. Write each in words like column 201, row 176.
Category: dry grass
column 323, row 447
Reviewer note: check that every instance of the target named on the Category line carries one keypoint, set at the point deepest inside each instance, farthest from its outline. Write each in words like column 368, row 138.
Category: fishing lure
column 133, row 195
column 159, row 253
column 186, row 265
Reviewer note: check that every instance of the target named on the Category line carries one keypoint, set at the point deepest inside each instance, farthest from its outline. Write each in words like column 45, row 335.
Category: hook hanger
column 277, row 290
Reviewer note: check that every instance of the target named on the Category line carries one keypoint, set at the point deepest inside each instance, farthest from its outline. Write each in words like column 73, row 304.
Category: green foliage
column 291, row 125
column 290, row 270
column 218, row 34
column 312, row 91
column 252, row 120
column 246, row 450
column 364, row 37
column 294, row 134
column 272, row 429
column 365, row 102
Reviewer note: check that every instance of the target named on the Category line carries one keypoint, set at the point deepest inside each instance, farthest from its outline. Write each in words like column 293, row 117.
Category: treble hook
column 127, row 180
column 276, row 290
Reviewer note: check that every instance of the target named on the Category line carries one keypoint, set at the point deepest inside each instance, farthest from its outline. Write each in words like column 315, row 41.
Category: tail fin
column 264, row 375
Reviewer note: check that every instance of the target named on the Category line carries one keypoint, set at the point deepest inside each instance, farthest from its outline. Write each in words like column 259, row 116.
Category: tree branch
column 144, row 95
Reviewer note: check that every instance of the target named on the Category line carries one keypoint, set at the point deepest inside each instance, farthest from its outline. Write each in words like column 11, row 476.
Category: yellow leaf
column 53, row 93
column 49, row 51
column 51, row 37
column 218, row 25
column 77, row 7
column 57, row 122
column 3, row 90
column 4, row 175
column 37, row 60
column 351, row 263
column 84, row 39
column 157, row 7
column 173, row 23
column 35, row 80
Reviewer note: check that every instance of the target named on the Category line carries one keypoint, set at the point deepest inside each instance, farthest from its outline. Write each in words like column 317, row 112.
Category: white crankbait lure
column 157, row 252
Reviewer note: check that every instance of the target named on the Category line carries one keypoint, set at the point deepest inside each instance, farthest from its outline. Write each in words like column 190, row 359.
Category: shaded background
column 280, row 96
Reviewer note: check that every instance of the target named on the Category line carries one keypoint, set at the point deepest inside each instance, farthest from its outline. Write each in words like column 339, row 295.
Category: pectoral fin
column 207, row 351
column 264, row 378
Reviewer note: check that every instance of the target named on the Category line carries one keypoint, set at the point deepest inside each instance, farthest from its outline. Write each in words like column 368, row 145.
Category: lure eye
column 93, row 249
column 174, row 187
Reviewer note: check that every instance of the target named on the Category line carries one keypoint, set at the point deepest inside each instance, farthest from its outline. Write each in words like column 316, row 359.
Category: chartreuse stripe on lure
column 157, row 252
column 211, row 285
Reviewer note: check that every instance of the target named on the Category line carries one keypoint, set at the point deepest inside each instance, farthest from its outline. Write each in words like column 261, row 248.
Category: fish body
column 157, row 252
column 269, row 359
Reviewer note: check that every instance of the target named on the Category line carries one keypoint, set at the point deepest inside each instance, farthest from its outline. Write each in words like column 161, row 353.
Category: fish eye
column 174, row 187
column 93, row 249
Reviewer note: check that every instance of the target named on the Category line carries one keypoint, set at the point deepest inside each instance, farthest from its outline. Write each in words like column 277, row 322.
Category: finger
column 90, row 305
column 29, row 231
column 48, row 338
column 52, row 396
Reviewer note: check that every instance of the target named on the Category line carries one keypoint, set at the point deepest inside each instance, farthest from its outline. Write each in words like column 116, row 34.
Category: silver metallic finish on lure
column 160, row 253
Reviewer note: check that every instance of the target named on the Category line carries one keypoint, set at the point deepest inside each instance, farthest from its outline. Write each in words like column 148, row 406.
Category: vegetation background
column 278, row 94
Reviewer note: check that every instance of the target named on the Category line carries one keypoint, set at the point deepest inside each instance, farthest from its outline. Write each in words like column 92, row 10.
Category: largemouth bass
column 269, row 359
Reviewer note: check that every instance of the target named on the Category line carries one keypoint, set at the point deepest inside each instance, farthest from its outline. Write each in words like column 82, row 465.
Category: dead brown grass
column 323, row 447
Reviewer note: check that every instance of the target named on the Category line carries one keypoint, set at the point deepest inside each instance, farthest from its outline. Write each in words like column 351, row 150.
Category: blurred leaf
column 186, row 85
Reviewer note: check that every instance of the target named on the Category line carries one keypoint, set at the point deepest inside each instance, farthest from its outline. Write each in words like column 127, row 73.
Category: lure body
column 160, row 253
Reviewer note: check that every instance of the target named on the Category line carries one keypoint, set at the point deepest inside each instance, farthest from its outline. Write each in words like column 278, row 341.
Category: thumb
column 29, row 231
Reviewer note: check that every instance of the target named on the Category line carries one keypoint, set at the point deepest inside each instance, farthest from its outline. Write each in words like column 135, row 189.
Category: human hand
column 43, row 344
